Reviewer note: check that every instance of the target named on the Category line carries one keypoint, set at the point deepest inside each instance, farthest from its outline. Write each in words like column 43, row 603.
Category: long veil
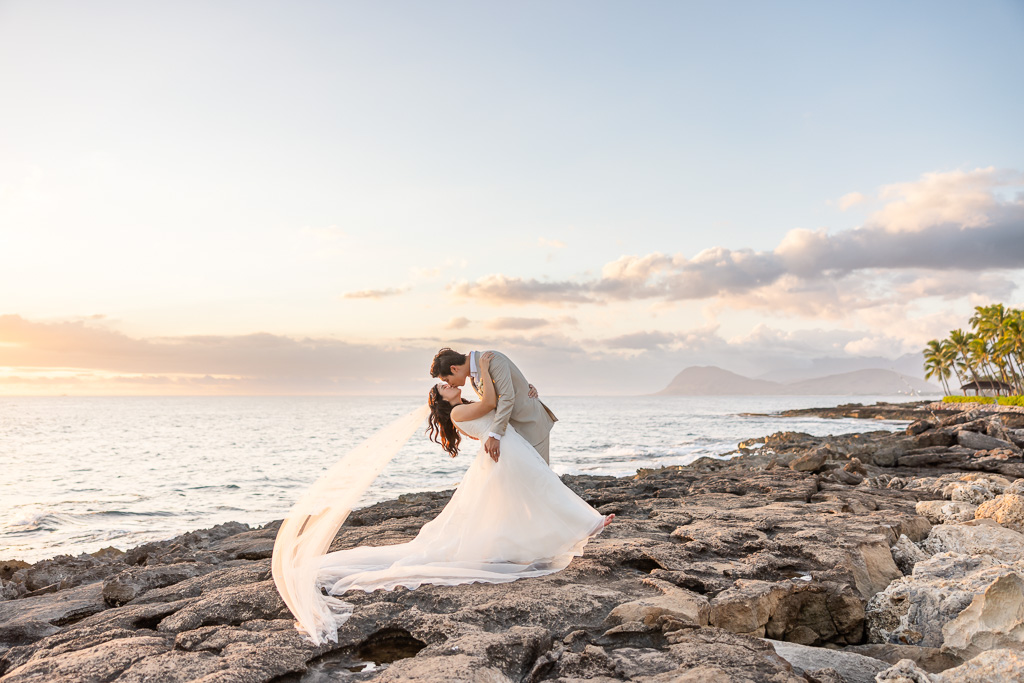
column 306, row 533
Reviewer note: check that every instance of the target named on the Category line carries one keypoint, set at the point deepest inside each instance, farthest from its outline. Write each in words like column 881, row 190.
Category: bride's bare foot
column 608, row 519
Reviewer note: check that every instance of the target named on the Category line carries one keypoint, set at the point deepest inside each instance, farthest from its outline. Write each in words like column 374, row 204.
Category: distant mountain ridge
column 714, row 381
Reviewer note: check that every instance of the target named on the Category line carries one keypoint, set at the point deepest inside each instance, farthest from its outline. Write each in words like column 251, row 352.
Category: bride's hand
column 485, row 361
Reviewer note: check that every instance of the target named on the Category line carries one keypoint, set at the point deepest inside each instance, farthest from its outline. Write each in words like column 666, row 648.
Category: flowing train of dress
column 507, row 520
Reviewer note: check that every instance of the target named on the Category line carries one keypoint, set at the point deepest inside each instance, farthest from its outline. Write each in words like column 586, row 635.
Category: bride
column 508, row 519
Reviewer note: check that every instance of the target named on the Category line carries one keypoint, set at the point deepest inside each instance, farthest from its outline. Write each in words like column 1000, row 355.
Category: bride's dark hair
column 440, row 427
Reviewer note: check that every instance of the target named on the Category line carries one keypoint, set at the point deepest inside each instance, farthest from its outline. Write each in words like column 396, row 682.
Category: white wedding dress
column 507, row 520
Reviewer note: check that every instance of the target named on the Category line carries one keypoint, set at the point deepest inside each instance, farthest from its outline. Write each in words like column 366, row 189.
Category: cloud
column 499, row 289
column 943, row 222
column 830, row 298
column 805, row 342
column 549, row 344
column 962, row 198
column 950, row 285
column 259, row 361
column 640, row 340
column 511, row 323
column 912, row 331
column 516, row 323
column 850, row 200
column 872, row 345
column 375, row 293
column 690, row 341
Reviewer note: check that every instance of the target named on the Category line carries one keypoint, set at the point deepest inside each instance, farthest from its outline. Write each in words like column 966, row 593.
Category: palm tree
column 990, row 323
column 984, row 358
column 989, row 319
column 960, row 341
column 1011, row 346
column 992, row 350
column 935, row 363
column 949, row 356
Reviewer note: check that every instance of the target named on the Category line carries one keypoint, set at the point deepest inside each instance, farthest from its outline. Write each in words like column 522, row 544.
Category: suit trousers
column 543, row 447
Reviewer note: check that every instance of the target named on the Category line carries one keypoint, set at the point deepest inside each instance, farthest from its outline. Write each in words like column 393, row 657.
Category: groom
column 517, row 398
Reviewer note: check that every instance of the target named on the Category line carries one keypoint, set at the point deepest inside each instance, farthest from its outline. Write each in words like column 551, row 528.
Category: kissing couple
column 510, row 517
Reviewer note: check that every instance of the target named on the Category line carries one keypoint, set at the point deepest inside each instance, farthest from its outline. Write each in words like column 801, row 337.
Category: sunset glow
column 259, row 198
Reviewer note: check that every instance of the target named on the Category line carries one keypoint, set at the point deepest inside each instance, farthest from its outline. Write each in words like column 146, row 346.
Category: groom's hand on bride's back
column 493, row 448
column 533, row 392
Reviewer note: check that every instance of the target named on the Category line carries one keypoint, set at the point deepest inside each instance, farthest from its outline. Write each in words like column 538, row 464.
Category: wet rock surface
column 802, row 558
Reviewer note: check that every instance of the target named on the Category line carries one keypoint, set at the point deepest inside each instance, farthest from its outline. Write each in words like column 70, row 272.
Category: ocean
column 80, row 474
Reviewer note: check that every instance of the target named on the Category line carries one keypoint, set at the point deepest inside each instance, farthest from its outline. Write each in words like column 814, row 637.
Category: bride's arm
column 471, row 411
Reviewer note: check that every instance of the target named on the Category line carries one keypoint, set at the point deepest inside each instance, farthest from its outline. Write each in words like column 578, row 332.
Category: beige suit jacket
column 529, row 416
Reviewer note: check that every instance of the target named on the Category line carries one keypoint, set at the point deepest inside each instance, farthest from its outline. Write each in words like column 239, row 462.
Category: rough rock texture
column 638, row 603
column 1007, row 510
column 701, row 562
column 994, row 620
column 914, row 410
column 982, row 442
column 906, row 554
column 904, row 671
column 811, row 462
column 677, row 604
column 975, row 490
column 853, row 667
column 931, row 659
column 127, row 585
column 913, row 609
column 943, row 512
column 979, row 537
column 797, row 611
column 10, row 590
column 29, row 619
column 947, row 603
column 994, row 666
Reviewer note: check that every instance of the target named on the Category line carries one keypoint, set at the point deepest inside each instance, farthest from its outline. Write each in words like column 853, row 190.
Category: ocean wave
column 45, row 520
column 129, row 513
column 52, row 520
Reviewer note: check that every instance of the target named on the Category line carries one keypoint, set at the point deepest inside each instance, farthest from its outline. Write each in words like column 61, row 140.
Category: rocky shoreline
column 859, row 557
column 911, row 410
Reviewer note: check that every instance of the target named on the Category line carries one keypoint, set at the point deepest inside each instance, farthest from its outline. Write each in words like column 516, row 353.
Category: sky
column 313, row 197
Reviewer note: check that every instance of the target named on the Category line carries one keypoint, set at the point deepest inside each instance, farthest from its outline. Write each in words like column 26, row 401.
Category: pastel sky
column 312, row 197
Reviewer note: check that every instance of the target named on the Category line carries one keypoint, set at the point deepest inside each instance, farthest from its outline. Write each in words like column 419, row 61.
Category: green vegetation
column 1000, row 400
column 993, row 350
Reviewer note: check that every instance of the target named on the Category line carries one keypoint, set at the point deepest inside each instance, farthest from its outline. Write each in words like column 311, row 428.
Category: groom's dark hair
column 444, row 360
